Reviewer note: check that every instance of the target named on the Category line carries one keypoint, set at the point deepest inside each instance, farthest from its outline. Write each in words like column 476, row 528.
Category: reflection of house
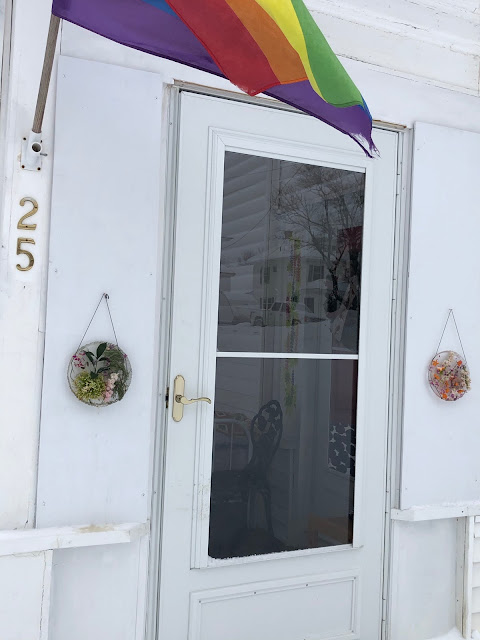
column 272, row 280
column 225, row 280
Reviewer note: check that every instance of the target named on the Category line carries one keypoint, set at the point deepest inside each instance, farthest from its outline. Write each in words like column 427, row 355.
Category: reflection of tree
column 324, row 208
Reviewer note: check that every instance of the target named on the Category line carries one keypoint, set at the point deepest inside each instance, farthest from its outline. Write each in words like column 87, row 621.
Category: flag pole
column 32, row 148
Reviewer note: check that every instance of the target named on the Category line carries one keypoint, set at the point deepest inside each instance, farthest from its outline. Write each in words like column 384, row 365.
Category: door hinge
column 167, row 397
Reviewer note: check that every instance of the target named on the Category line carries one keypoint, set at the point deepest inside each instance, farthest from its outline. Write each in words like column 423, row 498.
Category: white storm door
column 273, row 511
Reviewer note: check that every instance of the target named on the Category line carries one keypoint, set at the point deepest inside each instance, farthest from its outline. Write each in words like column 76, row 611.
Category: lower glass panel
column 283, row 455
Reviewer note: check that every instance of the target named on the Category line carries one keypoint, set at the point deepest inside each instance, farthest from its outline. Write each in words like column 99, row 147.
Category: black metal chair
column 234, row 492
column 266, row 431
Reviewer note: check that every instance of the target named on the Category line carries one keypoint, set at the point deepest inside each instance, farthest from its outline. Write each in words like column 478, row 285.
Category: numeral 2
column 21, row 224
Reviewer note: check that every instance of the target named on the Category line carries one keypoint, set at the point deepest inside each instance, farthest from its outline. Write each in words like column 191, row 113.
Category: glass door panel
column 291, row 255
column 283, row 459
column 283, row 465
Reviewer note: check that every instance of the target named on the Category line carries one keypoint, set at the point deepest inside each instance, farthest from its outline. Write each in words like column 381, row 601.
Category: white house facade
column 259, row 264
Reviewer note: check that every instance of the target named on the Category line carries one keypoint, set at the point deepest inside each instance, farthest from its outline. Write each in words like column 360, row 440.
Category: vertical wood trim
column 465, row 553
column 142, row 585
column 46, row 592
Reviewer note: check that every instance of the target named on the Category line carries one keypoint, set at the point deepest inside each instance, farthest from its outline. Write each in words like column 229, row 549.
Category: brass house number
column 22, row 225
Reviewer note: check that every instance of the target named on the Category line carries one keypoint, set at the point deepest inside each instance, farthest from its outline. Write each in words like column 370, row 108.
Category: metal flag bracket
column 31, row 158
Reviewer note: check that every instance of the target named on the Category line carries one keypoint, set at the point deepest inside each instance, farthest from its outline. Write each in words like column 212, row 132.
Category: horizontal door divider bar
column 294, row 356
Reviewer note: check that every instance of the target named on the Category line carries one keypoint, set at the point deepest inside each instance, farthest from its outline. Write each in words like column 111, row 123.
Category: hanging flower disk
column 99, row 374
column 449, row 376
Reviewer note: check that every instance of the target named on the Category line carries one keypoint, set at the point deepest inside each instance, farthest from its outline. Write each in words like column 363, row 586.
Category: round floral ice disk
column 449, row 376
column 99, row 373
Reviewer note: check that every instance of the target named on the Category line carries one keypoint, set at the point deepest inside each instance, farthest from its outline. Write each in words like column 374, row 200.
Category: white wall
column 423, row 579
column 22, row 596
column 95, row 464
column 95, row 593
column 440, row 439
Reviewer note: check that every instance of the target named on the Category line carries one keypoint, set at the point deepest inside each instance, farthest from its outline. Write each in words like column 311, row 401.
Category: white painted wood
column 35, row 540
column 476, row 600
column 435, row 432
column 22, row 294
column 394, row 94
column 2, row 38
column 418, row 49
column 290, row 601
column 465, row 545
column 142, row 614
column 436, row 512
column 300, row 356
column 46, row 593
column 207, row 124
column 423, row 579
column 21, row 596
column 476, row 575
column 95, row 464
column 476, row 624
column 94, row 593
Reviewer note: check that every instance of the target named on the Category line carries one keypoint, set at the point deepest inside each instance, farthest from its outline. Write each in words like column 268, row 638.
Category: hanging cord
column 106, row 296
column 113, row 327
column 450, row 313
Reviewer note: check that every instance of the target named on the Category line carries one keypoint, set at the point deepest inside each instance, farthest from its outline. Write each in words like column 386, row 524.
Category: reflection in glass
column 283, row 455
column 291, row 256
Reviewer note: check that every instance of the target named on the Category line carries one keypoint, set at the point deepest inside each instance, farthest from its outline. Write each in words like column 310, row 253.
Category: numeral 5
column 21, row 251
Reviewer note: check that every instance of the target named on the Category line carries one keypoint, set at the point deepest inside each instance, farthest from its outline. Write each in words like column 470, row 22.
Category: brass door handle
column 184, row 400
column 179, row 400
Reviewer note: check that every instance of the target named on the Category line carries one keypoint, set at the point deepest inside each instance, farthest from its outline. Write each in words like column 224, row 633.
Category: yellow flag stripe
column 284, row 14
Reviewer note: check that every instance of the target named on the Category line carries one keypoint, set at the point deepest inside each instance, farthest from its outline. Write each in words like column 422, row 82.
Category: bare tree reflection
column 323, row 207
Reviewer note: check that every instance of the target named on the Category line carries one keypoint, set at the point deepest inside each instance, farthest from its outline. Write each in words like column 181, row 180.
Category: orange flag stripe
column 282, row 57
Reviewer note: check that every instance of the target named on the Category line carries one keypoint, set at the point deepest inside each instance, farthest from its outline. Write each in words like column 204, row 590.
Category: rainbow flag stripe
column 262, row 46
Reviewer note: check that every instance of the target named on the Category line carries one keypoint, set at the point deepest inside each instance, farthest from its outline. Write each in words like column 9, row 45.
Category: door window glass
column 290, row 232
column 283, row 459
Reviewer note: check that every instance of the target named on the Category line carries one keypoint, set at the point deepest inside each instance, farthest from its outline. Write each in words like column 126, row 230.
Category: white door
column 274, row 493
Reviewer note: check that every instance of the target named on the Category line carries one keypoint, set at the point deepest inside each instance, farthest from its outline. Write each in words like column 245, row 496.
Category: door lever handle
column 184, row 400
column 179, row 400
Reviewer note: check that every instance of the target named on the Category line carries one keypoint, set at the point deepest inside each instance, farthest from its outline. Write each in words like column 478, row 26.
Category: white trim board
column 436, row 512
column 34, row 540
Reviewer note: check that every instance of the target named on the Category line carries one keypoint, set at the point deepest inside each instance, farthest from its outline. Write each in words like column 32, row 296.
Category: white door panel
column 273, row 513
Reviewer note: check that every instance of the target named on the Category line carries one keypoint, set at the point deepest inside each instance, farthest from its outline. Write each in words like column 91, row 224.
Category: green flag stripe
column 334, row 82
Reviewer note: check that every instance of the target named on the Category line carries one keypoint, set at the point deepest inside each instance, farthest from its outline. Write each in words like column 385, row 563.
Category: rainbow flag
column 262, row 46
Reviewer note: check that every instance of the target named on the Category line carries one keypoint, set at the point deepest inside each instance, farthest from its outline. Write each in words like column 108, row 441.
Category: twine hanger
column 106, row 297
column 450, row 313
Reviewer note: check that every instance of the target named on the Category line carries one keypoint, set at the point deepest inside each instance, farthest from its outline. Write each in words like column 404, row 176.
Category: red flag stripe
column 229, row 43
column 283, row 58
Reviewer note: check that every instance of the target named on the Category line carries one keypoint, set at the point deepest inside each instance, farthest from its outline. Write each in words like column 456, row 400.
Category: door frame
column 172, row 117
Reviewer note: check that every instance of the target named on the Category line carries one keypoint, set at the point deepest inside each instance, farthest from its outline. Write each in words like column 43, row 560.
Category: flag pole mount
column 32, row 150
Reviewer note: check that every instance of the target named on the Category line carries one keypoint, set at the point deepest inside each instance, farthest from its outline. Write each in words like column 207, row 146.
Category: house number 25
column 27, row 227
